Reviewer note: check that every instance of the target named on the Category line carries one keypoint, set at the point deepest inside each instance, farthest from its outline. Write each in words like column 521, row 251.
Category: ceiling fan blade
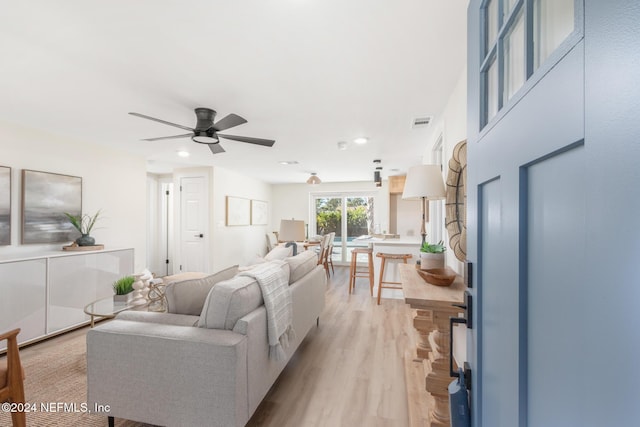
column 169, row 137
column 216, row 148
column 258, row 141
column 161, row 121
column 229, row 121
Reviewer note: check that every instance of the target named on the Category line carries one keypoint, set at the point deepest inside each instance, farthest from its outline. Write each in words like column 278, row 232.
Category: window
column 519, row 36
column 359, row 221
column 514, row 61
column 436, row 207
column 552, row 23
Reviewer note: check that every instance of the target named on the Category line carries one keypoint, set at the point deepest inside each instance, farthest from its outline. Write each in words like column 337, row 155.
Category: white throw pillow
column 279, row 253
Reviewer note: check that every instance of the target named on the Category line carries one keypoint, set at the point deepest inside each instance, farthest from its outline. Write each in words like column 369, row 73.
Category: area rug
column 56, row 388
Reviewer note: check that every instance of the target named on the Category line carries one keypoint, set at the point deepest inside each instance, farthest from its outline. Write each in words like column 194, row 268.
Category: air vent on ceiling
column 421, row 121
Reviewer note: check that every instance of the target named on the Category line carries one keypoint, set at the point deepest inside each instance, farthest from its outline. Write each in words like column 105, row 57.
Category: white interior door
column 194, row 213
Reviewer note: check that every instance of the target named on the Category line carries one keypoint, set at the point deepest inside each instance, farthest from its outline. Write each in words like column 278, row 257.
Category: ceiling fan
column 206, row 132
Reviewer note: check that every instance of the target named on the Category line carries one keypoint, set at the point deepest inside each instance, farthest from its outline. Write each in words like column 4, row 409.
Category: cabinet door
column 23, row 298
column 396, row 184
column 77, row 280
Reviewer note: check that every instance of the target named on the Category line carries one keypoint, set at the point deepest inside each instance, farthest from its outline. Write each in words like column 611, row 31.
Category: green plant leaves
column 83, row 223
column 435, row 248
column 124, row 285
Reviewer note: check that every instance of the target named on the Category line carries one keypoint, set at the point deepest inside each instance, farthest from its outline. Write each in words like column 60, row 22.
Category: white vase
column 429, row 260
column 126, row 298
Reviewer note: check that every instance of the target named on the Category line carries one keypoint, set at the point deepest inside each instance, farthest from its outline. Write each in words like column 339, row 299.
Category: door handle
column 199, row 235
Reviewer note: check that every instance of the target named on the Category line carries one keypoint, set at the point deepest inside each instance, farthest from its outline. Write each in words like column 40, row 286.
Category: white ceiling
column 307, row 73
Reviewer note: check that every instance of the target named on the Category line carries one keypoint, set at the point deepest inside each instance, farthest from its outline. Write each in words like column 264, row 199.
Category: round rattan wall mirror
column 456, row 201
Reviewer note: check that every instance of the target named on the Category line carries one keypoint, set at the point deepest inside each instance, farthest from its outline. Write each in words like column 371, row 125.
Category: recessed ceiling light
column 288, row 162
column 361, row 140
column 183, row 153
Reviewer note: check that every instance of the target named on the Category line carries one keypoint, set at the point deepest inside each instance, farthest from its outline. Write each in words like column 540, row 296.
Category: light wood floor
column 350, row 371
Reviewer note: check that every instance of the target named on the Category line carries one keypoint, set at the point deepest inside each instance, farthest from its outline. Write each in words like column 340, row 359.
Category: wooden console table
column 433, row 306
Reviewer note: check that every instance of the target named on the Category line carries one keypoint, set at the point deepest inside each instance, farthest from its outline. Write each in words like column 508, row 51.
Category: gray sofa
column 175, row 369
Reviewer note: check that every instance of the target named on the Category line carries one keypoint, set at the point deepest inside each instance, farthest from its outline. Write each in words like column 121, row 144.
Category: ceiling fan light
column 203, row 137
column 313, row 179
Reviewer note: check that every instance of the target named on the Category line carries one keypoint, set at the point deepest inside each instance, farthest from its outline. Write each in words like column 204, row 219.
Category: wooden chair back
column 11, row 377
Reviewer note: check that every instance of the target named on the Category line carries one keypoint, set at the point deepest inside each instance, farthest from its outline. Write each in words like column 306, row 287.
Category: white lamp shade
column 291, row 230
column 424, row 181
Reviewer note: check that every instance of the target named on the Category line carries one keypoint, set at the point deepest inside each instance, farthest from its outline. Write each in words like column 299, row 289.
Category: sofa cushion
column 301, row 264
column 188, row 296
column 229, row 301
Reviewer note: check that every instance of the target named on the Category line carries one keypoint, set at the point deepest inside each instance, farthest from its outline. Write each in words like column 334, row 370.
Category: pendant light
column 313, row 179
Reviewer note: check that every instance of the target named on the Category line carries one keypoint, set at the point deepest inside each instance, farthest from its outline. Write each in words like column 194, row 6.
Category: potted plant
column 123, row 289
column 84, row 224
column 432, row 255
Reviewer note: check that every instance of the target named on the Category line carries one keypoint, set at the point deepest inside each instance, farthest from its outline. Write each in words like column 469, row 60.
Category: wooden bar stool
column 354, row 272
column 385, row 257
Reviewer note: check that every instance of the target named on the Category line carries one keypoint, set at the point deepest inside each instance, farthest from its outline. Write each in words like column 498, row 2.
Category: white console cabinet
column 45, row 294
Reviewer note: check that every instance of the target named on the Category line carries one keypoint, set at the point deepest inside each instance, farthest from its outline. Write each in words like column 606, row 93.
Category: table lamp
column 424, row 182
column 291, row 231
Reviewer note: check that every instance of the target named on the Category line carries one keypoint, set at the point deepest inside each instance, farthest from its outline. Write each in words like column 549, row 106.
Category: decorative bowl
column 438, row 276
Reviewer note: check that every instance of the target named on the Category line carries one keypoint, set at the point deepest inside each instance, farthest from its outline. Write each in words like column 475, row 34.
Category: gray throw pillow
column 188, row 296
column 229, row 301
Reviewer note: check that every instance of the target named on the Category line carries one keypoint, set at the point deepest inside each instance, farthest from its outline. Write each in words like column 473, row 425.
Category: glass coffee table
column 107, row 308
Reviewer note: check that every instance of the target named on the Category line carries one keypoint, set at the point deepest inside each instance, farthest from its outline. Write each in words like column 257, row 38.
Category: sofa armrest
column 167, row 374
column 160, row 318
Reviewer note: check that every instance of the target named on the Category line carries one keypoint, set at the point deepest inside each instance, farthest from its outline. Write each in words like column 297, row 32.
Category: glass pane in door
column 514, row 59
column 360, row 222
column 491, row 24
column 553, row 21
column 328, row 215
column 491, row 88
column 329, row 220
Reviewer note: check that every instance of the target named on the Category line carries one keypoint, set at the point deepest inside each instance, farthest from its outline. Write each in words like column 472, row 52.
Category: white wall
column 236, row 244
column 407, row 215
column 112, row 181
column 452, row 125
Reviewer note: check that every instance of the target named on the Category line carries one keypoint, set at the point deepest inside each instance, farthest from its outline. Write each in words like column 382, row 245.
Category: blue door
column 554, row 212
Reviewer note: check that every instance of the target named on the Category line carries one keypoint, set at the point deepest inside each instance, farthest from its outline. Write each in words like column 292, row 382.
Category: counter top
column 402, row 241
column 420, row 294
column 52, row 253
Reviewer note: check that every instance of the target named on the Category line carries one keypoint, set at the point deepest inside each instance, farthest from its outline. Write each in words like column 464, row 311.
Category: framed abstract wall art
column 238, row 211
column 45, row 198
column 259, row 214
column 5, row 205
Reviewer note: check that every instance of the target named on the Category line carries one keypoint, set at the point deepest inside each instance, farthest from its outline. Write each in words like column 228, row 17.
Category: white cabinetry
column 46, row 294
column 23, row 297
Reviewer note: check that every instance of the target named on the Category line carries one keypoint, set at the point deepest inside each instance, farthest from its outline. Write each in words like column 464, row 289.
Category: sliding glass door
column 350, row 216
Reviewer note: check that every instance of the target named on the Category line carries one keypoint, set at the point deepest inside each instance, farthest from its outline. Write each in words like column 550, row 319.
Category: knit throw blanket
column 274, row 284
